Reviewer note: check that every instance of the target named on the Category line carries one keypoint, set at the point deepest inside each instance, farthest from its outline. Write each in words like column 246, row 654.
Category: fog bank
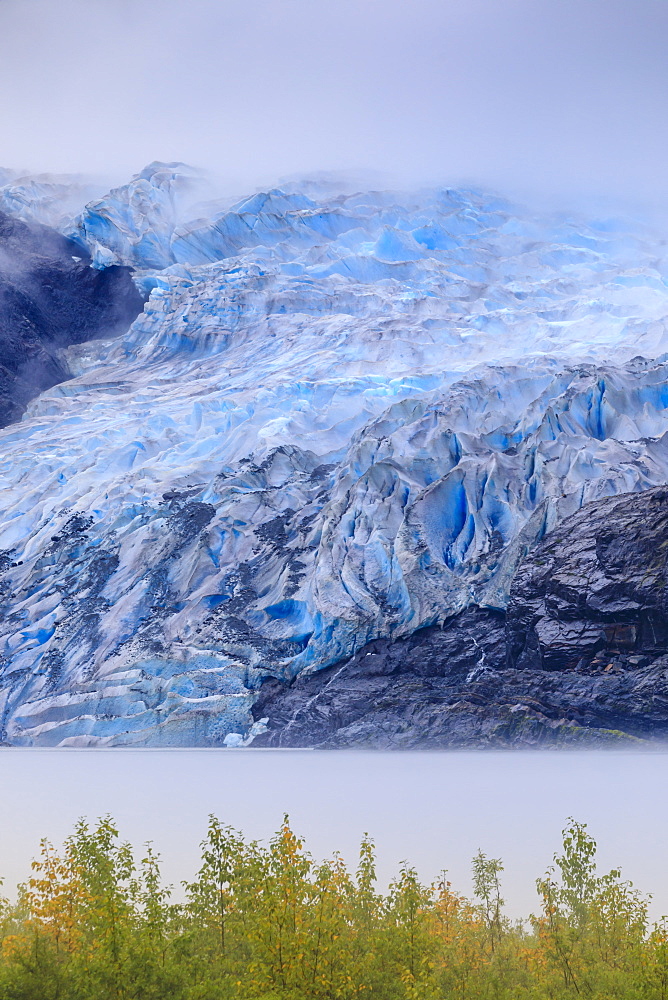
column 558, row 97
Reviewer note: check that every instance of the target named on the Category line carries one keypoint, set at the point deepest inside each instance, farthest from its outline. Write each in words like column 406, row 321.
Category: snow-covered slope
column 339, row 417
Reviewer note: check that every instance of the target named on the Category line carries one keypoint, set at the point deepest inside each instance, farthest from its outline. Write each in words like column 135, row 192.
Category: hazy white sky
column 560, row 95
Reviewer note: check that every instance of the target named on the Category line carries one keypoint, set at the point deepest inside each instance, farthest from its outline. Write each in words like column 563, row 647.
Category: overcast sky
column 554, row 95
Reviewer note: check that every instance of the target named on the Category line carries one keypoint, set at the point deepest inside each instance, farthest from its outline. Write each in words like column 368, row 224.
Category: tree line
column 268, row 922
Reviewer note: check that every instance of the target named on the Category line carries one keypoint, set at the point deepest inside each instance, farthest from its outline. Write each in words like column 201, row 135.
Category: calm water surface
column 434, row 809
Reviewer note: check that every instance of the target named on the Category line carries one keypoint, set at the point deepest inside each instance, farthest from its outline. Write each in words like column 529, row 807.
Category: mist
column 553, row 98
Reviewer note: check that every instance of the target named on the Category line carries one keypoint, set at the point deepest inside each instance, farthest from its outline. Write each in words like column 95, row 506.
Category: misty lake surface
column 433, row 809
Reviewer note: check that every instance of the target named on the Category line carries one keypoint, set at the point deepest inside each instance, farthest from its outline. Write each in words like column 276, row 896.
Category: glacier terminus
column 340, row 420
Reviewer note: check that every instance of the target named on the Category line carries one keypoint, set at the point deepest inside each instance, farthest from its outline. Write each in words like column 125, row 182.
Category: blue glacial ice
column 47, row 199
column 134, row 224
column 340, row 416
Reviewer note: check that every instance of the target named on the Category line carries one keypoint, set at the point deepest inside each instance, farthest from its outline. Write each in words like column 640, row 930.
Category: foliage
column 268, row 922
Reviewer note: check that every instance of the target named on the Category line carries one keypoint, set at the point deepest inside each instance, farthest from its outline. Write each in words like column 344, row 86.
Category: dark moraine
column 579, row 655
column 49, row 300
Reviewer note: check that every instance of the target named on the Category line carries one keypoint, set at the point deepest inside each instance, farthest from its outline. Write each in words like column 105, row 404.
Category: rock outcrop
column 50, row 298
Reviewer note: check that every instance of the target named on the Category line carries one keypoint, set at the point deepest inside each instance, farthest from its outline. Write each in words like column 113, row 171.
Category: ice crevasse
column 342, row 415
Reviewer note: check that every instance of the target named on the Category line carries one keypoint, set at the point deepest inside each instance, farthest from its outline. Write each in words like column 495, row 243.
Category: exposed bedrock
column 579, row 655
column 51, row 298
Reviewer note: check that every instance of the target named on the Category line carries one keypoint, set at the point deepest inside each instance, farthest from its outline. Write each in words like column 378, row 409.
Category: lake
column 434, row 809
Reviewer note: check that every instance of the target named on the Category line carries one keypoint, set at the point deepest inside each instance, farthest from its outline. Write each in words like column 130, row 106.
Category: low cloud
column 553, row 97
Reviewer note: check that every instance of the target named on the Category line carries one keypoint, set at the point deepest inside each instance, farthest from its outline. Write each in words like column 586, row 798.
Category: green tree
column 487, row 888
column 593, row 927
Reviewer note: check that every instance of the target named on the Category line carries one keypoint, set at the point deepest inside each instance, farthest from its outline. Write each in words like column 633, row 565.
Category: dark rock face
column 580, row 655
column 595, row 590
column 49, row 300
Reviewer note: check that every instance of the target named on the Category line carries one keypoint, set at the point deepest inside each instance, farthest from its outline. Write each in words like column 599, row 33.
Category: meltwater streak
column 433, row 809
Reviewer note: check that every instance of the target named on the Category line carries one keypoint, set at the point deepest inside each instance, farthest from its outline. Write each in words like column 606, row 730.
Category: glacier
column 341, row 416
column 51, row 200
